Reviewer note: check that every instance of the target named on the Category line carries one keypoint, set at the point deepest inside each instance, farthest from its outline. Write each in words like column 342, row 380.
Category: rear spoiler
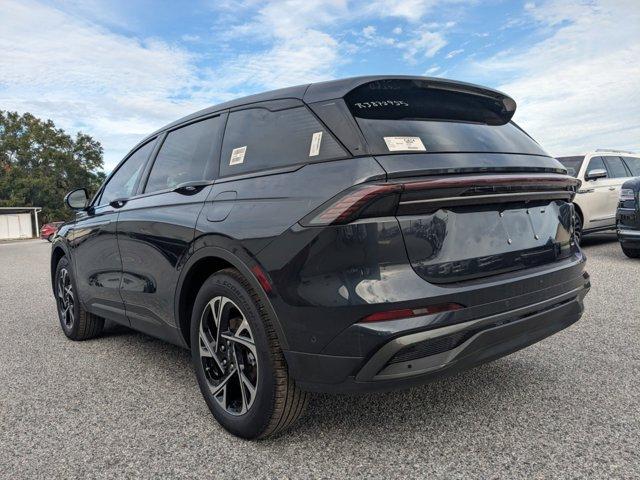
column 332, row 90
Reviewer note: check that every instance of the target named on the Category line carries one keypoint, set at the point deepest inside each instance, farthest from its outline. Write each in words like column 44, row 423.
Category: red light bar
column 343, row 209
column 411, row 312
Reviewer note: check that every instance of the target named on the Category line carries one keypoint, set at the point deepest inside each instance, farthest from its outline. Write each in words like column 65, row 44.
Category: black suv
column 628, row 218
column 353, row 235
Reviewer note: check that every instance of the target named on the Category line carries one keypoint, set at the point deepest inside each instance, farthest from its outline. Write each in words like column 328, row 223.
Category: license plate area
column 469, row 242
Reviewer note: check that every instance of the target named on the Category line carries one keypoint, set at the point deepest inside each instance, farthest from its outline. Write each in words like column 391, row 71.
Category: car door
column 597, row 196
column 156, row 227
column 618, row 174
column 93, row 242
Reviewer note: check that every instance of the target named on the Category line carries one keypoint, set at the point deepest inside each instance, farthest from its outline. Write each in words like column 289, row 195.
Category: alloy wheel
column 66, row 300
column 228, row 355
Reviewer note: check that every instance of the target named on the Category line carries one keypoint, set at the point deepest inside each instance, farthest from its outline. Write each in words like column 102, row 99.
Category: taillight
column 350, row 204
column 627, row 194
column 378, row 200
column 411, row 312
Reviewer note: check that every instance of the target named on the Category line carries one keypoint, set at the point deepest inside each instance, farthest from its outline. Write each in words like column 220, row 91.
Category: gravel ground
column 127, row 405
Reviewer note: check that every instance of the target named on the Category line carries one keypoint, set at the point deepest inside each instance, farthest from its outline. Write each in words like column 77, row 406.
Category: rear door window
column 122, row 183
column 187, row 154
column 258, row 139
column 634, row 165
column 412, row 116
column 616, row 167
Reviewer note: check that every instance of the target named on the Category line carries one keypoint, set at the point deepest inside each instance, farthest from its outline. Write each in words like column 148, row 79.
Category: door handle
column 118, row 202
column 612, row 188
column 190, row 188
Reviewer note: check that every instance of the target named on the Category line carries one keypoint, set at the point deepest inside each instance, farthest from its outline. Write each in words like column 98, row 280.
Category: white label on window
column 412, row 144
column 316, row 139
column 237, row 155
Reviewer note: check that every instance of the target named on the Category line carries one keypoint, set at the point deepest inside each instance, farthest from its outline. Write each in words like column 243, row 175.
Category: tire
column 631, row 253
column 238, row 361
column 577, row 229
column 77, row 324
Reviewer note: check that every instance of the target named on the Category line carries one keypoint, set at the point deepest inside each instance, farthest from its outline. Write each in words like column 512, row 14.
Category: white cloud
column 453, row 53
column 190, row 38
column 578, row 89
column 309, row 57
column 410, row 10
column 297, row 50
column 369, row 31
column 430, row 72
column 424, row 45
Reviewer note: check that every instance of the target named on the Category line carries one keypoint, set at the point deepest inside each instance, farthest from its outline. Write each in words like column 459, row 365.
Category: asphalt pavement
column 128, row 406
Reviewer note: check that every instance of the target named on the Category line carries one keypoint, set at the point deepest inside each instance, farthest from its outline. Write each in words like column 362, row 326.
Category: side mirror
column 77, row 199
column 596, row 173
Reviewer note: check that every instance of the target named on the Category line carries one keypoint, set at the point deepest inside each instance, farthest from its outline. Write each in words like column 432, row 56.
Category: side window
column 185, row 155
column 616, row 167
column 258, row 139
column 634, row 165
column 596, row 163
column 123, row 181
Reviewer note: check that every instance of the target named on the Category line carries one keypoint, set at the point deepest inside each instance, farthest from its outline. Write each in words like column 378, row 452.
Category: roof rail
column 613, row 150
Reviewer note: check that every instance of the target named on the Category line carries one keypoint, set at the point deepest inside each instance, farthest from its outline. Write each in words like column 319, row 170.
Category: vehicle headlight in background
column 627, row 194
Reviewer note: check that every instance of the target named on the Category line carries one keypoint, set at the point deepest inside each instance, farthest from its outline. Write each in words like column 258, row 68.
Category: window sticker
column 237, row 155
column 316, row 139
column 411, row 144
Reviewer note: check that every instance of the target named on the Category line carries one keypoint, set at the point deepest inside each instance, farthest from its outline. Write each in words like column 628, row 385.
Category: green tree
column 40, row 163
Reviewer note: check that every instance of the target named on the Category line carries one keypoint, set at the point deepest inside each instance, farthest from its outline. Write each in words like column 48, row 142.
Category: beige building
column 19, row 222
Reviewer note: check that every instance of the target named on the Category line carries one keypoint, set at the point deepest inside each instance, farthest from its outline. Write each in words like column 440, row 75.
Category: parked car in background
column 602, row 174
column 628, row 218
column 49, row 229
column 348, row 236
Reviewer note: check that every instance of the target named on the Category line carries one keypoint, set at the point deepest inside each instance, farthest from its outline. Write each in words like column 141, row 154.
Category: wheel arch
column 578, row 210
column 200, row 266
column 57, row 253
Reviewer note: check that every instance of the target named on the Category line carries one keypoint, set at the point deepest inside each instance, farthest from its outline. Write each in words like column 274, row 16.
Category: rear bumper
column 418, row 357
column 628, row 237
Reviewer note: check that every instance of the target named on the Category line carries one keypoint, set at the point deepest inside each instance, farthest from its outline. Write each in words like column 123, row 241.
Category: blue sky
column 120, row 69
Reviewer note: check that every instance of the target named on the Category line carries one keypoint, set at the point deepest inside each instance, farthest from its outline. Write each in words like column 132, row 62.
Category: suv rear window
column 572, row 164
column 259, row 139
column 412, row 116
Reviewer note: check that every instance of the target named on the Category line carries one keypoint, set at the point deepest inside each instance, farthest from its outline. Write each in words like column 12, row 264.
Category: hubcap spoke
column 223, row 383
column 217, row 305
column 208, row 350
column 245, row 342
column 248, row 390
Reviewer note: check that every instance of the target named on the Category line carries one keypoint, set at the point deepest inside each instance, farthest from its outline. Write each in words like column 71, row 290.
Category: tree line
column 40, row 164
